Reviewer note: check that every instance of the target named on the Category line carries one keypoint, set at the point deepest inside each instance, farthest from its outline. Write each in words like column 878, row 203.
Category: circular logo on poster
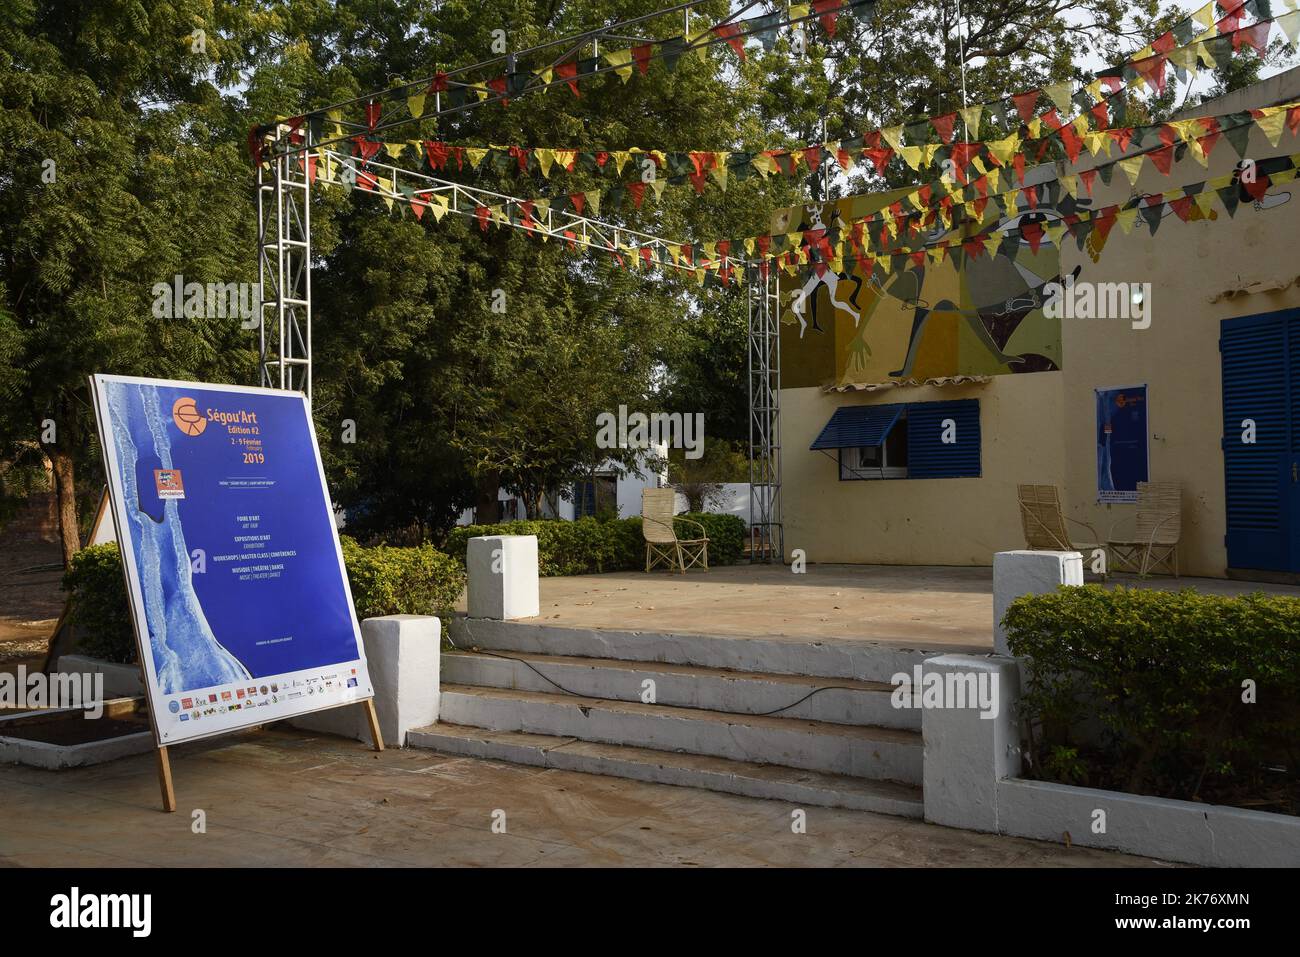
column 186, row 416
column 173, row 706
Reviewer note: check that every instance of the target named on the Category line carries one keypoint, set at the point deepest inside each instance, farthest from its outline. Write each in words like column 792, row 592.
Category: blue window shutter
column 928, row 456
column 853, row 426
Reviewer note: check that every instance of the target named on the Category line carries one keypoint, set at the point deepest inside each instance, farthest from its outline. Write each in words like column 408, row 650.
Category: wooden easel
column 165, row 764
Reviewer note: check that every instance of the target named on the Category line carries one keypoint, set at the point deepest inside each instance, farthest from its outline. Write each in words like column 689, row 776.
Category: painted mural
column 970, row 317
column 962, row 316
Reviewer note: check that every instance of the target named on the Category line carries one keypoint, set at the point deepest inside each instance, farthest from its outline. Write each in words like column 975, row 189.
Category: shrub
column 385, row 581
column 388, row 580
column 99, row 609
column 1167, row 676
column 588, row 545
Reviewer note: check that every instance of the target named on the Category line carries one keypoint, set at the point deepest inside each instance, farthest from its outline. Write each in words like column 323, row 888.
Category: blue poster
column 1121, row 443
column 239, row 594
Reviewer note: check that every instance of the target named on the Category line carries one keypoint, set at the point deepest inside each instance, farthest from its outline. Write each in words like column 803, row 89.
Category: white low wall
column 973, row 765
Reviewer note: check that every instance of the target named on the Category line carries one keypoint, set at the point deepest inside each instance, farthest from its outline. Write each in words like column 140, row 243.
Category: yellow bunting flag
column 971, row 115
column 394, row 150
column 1204, row 201
column 1002, row 149
column 438, row 205
column 475, row 155
column 545, row 160
column 893, row 135
column 1270, row 124
column 621, row 61
column 415, row 103
column 1059, row 93
column 1131, row 166
column 1126, row 219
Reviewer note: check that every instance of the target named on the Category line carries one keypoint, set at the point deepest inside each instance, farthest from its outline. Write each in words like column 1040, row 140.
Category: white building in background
column 610, row 487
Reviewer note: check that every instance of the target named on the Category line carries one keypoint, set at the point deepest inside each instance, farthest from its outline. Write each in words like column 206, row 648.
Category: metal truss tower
column 284, row 265
column 766, row 532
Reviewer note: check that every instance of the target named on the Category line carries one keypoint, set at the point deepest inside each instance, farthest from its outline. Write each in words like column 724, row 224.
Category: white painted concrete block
column 403, row 653
column 120, row 681
column 966, row 753
column 1028, row 573
column 503, row 577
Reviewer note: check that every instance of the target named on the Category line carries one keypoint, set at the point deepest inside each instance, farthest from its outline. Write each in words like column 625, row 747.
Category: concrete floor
column 887, row 603
column 286, row 798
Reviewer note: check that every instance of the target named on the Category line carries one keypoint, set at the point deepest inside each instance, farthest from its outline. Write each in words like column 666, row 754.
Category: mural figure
column 822, row 275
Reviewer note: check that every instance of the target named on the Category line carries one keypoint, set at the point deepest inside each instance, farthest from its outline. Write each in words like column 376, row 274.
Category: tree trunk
column 487, row 503
column 65, row 490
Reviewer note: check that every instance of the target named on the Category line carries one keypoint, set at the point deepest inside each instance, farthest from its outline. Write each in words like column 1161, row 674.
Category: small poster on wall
column 1121, row 443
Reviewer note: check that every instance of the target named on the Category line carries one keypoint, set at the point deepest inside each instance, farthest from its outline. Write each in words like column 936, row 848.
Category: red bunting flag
column 813, row 156
column 1182, row 207
column 1121, row 136
column 1088, row 176
column 641, row 54
column 1162, row 159
column 1293, row 119
column 1025, row 103
column 437, row 153
column 1255, row 37
column 569, row 72
column 498, row 86
column 1104, row 219
column 828, row 12
column 418, row 206
column 730, row 32
column 1101, row 115
column 1164, row 43
column 578, row 201
column 1033, row 234
column 520, row 153
column 1152, row 69
column 481, row 214
column 439, row 83
column 638, row 193
column 943, row 126
column 879, row 157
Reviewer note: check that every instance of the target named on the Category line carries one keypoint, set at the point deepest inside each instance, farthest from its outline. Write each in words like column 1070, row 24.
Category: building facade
column 914, row 403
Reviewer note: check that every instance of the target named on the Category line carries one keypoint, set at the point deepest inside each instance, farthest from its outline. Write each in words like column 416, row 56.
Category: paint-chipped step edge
column 765, row 781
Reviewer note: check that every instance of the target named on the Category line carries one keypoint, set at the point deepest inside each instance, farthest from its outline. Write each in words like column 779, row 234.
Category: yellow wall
column 1040, row 427
column 953, row 521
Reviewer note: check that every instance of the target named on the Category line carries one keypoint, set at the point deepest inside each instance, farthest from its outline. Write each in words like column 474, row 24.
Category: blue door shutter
column 1256, row 386
column 928, row 455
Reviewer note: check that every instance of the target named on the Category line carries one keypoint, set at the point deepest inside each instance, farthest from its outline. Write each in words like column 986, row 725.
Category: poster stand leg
column 373, row 718
column 165, row 781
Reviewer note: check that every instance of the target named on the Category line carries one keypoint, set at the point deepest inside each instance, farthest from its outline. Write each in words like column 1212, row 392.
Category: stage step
column 840, row 658
column 772, row 782
column 835, row 700
column 889, row 754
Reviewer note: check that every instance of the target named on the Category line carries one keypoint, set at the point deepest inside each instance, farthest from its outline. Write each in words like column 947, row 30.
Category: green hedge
column 1163, row 675
column 384, row 580
column 589, row 545
column 99, row 608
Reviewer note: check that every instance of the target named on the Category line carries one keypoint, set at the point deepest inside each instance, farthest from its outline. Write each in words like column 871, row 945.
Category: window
column 904, row 441
column 887, row 460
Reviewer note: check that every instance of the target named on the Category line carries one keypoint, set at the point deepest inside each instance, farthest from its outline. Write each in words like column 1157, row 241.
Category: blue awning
column 858, row 425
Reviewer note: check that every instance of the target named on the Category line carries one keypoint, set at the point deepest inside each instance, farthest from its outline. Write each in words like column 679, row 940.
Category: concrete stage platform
column 947, row 608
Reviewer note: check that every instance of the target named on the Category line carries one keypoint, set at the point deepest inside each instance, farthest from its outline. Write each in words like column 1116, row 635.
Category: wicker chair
column 1045, row 524
column 1159, row 526
column 662, row 546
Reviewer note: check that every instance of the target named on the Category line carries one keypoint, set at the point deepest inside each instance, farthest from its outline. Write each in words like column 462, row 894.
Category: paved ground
column 935, row 605
column 286, row 798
